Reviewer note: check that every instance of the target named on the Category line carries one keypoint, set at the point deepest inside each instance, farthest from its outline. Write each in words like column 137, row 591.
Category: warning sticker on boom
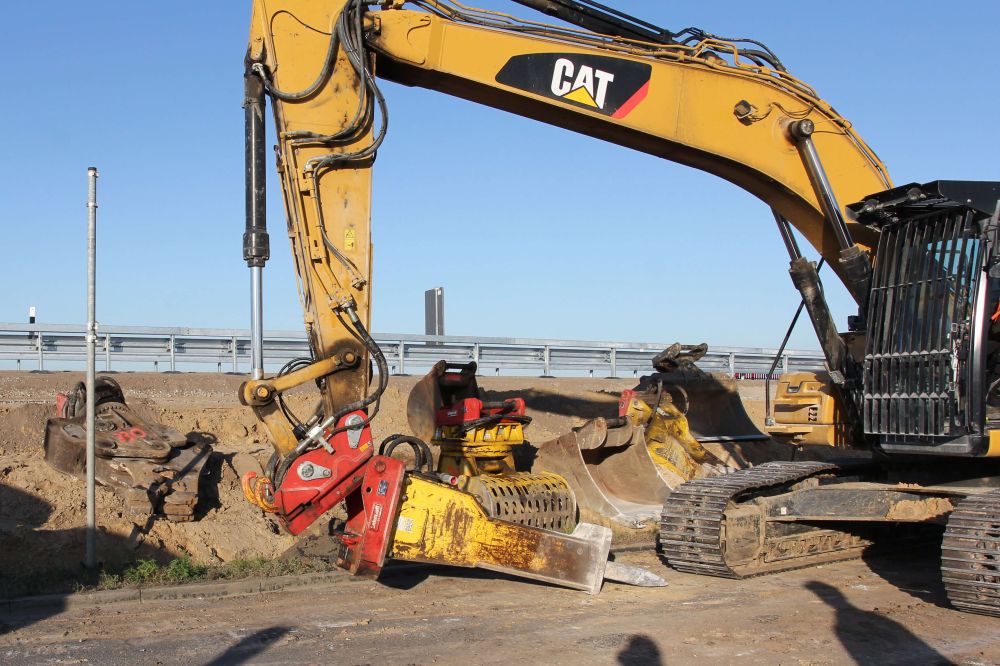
column 611, row 86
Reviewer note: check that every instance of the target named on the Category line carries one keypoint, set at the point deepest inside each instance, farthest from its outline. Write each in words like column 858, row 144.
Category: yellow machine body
column 703, row 103
column 807, row 412
column 668, row 436
column 479, row 451
column 439, row 524
column 727, row 116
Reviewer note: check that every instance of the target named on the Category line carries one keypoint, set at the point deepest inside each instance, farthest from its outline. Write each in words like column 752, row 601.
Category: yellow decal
column 581, row 96
column 350, row 239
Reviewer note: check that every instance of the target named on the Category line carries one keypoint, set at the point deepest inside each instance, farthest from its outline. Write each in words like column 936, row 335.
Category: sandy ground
column 886, row 612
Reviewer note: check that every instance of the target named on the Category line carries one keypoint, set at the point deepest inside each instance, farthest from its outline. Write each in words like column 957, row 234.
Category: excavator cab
column 928, row 343
column 931, row 358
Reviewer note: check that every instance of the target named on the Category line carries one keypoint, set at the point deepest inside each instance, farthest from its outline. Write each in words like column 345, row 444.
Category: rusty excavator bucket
column 607, row 464
column 152, row 466
column 678, row 424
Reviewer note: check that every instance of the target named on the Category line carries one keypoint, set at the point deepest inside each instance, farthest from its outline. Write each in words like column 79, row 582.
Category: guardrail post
column 107, row 353
column 173, row 360
column 732, row 364
column 546, row 362
column 784, row 364
column 475, row 354
column 236, row 367
column 614, row 362
column 41, row 353
column 402, row 352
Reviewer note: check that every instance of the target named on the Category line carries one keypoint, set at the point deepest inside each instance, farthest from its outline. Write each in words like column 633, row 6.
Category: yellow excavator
column 910, row 383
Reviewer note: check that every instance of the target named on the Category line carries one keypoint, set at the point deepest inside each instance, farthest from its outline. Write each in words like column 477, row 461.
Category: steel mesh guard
column 918, row 316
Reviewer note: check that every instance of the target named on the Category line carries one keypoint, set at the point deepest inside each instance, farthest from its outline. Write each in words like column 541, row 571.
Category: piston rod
column 802, row 131
column 256, row 246
column 787, row 237
column 805, row 277
column 854, row 262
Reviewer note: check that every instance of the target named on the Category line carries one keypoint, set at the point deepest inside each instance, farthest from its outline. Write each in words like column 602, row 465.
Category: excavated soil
column 42, row 511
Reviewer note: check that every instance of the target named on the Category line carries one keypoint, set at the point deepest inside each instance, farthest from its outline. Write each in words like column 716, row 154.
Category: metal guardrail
column 36, row 345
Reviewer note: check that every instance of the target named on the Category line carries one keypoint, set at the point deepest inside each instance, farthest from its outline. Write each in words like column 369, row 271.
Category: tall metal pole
column 90, row 559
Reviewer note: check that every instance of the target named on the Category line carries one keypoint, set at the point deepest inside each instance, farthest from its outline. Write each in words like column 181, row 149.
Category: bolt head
column 803, row 129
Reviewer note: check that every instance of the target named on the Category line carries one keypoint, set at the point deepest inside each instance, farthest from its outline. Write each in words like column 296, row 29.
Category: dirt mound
column 42, row 511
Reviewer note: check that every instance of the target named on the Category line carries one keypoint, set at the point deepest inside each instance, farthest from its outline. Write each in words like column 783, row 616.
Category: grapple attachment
column 477, row 440
column 153, row 467
column 710, row 403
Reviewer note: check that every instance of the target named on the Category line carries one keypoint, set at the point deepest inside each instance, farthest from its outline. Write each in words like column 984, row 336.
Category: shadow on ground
column 249, row 647
column 871, row 638
column 640, row 651
column 400, row 575
column 39, row 561
column 916, row 571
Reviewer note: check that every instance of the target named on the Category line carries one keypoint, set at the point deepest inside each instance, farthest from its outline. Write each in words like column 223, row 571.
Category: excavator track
column 970, row 554
column 693, row 524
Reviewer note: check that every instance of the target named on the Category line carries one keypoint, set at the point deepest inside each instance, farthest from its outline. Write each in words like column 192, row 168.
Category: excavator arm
column 689, row 97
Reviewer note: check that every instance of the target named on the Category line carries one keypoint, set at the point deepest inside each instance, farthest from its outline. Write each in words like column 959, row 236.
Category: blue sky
column 532, row 231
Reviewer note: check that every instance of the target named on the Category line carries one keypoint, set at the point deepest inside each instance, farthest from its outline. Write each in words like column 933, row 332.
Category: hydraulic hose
column 421, row 452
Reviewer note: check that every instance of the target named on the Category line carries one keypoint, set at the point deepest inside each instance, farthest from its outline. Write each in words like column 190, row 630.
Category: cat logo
column 610, row 86
column 589, row 86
